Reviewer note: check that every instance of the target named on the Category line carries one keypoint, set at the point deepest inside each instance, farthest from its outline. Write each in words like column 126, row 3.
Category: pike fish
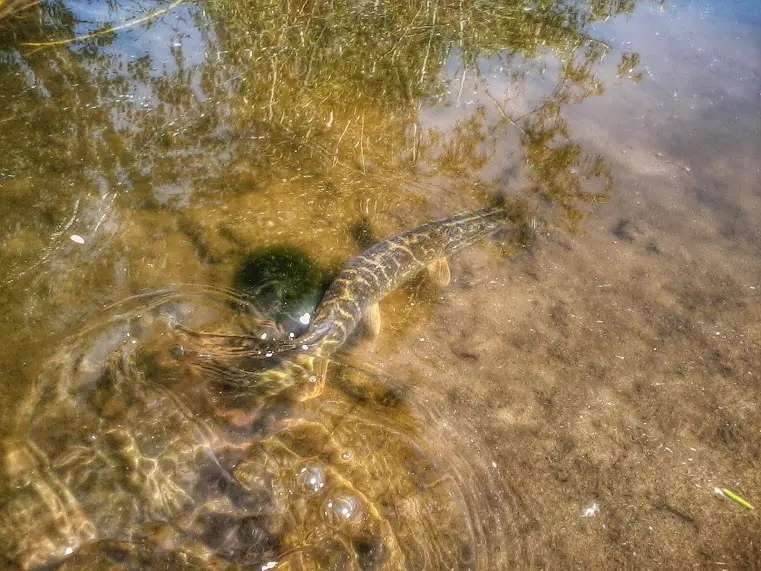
column 354, row 295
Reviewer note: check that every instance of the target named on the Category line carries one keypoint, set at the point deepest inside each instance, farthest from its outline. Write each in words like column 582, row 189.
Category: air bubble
column 342, row 509
column 311, row 479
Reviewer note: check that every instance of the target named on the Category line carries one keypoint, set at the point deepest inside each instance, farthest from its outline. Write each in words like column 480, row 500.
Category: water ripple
column 128, row 450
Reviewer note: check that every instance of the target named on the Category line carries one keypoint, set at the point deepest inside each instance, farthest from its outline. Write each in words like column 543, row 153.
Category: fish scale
column 387, row 265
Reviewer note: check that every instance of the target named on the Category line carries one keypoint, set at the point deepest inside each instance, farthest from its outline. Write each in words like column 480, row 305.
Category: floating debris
column 724, row 492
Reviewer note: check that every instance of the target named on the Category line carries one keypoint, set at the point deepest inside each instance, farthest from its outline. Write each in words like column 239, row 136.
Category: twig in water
column 150, row 16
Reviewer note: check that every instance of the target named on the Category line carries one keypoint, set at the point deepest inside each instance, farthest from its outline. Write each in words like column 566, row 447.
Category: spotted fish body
column 387, row 265
column 300, row 365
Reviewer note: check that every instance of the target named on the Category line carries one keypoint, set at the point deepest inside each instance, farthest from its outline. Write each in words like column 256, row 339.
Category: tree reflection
column 186, row 106
column 178, row 136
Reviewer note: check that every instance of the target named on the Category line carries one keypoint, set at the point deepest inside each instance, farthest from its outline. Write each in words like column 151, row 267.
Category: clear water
column 573, row 403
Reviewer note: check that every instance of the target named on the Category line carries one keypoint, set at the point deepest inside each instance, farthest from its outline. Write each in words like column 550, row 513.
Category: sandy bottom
column 607, row 383
column 596, row 389
column 603, row 373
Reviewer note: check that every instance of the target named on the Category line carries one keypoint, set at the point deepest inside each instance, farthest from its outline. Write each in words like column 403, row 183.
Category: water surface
column 571, row 400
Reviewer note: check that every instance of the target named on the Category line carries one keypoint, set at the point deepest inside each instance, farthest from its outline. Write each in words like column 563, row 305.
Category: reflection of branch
column 9, row 8
column 589, row 39
column 502, row 111
column 572, row 31
column 402, row 36
column 155, row 14
column 430, row 40
column 415, row 143
column 462, row 84
column 485, row 84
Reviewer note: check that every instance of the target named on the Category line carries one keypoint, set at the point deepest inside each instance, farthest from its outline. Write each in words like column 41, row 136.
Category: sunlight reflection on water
column 334, row 478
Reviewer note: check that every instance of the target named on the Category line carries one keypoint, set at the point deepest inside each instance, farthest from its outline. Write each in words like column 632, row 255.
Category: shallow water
column 571, row 401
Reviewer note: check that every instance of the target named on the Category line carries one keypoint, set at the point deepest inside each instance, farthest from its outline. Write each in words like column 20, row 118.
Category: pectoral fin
column 372, row 320
column 439, row 271
column 316, row 372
